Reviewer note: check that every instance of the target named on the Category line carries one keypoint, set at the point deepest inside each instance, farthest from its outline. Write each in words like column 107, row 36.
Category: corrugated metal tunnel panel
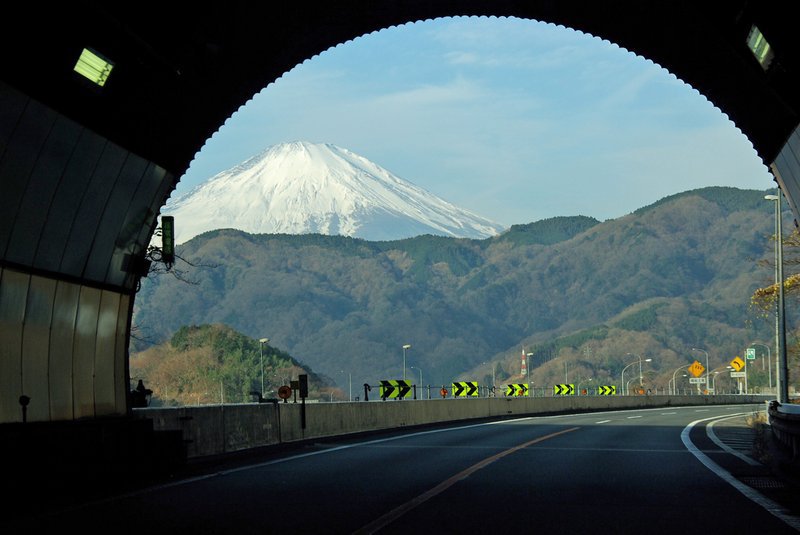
column 72, row 202
column 787, row 170
column 76, row 214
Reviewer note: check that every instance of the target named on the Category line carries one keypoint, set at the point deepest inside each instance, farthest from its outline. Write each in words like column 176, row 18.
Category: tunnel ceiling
column 180, row 73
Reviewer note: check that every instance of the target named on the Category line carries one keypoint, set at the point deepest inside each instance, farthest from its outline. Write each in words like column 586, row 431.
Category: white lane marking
column 665, row 413
column 603, row 422
column 632, row 417
column 701, row 410
column 774, row 508
column 386, row 519
column 713, row 436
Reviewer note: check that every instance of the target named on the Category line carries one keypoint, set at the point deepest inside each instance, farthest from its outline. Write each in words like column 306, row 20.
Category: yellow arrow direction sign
column 737, row 363
column 696, row 369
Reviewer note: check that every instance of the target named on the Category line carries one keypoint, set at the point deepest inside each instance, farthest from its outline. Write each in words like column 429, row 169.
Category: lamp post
column 714, row 379
column 622, row 379
column 262, row 341
column 405, row 346
column 584, row 380
column 420, row 378
column 628, row 385
column 674, row 383
column 782, row 372
column 707, row 368
column 641, row 381
column 769, row 361
column 716, row 371
column 637, row 361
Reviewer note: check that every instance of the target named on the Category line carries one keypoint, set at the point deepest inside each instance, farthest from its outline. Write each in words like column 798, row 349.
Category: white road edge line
column 603, row 422
column 194, row 479
column 755, row 496
column 713, row 436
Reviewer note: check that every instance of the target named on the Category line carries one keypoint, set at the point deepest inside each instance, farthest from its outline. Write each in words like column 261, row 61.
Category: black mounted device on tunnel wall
column 168, row 240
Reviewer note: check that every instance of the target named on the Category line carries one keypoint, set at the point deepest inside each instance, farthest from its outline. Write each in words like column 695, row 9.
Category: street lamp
column 584, row 380
column 420, row 378
column 405, row 346
column 625, row 391
column 782, row 372
column 622, row 379
column 674, row 383
column 641, row 381
column 714, row 379
column 769, row 361
column 263, row 341
column 628, row 386
column 707, row 368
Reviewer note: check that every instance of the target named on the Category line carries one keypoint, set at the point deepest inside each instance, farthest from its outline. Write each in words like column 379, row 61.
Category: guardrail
column 785, row 423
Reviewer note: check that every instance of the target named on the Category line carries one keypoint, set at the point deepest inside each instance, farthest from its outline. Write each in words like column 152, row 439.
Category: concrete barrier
column 220, row 429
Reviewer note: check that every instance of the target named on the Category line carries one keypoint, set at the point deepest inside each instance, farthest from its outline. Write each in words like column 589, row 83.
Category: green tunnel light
column 94, row 67
column 760, row 47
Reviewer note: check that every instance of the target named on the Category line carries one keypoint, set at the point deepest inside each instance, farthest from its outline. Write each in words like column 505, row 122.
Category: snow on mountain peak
column 302, row 188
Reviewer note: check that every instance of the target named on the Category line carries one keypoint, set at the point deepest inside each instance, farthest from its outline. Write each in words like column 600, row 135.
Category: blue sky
column 512, row 119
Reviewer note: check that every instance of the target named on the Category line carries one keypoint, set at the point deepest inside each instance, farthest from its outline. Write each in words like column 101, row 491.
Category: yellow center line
column 399, row 511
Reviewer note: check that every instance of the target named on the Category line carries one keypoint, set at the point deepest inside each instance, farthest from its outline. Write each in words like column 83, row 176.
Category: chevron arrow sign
column 607, row 390
column 564, row 390
column 388, row 390
column 404, row 388
column 395, row 389
column 465, row 388
column 517, row 389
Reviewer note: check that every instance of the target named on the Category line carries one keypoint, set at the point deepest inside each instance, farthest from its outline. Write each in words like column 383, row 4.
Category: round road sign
column 284, row 392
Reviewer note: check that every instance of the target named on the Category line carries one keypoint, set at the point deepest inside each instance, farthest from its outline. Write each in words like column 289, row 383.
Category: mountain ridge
column 345, row 303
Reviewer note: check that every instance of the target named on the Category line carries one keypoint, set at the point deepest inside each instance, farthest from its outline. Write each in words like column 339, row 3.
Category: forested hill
column 211, row 363
column 347, row 306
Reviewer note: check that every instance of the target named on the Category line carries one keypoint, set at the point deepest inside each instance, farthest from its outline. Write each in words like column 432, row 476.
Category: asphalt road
column 612, row 472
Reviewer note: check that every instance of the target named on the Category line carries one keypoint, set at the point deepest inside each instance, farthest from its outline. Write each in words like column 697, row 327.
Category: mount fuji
column 303, row 188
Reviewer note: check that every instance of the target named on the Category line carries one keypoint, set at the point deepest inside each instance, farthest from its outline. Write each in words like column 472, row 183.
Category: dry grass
column 759, row 422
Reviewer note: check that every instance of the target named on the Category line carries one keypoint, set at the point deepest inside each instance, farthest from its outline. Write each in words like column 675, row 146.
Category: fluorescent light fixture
column 760, row 47
column 94, row 67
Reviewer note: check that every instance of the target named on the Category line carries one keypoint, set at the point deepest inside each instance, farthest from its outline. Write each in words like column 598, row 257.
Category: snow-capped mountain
column 302, row 188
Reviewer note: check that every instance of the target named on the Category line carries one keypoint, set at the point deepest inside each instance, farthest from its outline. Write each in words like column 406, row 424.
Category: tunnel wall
column 76, row 214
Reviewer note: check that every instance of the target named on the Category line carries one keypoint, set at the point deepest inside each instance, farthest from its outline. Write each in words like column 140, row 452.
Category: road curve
column 620, row 472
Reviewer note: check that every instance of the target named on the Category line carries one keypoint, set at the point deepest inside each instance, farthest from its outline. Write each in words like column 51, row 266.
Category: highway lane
column 623, row 472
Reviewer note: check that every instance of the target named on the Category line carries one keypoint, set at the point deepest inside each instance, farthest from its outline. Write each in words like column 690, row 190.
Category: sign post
column 697, row 369
column 738, row 364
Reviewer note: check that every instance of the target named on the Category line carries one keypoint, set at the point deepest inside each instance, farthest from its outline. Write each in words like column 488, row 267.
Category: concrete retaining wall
column 220, row 429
